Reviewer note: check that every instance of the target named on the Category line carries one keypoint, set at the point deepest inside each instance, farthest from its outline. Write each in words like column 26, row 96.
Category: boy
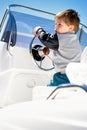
column 64, row 42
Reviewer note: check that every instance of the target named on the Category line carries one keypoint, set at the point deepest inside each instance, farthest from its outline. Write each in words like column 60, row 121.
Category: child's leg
column 59, row 78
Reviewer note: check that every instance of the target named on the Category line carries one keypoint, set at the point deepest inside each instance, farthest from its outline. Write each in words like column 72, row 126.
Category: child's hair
column 70, row 17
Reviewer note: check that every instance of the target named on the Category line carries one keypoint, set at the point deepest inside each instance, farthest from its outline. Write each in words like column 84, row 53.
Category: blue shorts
column 58, row 79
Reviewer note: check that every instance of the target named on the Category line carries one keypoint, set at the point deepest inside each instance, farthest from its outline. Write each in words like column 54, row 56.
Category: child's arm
column 49, row 40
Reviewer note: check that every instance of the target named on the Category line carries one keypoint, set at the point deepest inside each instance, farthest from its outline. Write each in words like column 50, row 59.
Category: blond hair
column 70, row 17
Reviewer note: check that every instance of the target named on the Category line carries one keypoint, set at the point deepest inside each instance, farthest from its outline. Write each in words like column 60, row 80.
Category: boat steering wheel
column 41, row 55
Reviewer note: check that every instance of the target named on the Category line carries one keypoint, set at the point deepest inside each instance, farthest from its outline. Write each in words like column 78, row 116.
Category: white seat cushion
column 77, row 73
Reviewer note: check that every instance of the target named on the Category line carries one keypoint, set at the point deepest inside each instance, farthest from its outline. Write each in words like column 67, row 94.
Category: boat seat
column 77, row 72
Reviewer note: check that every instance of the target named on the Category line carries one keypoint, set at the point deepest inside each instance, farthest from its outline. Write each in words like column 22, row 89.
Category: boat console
column 24, row 62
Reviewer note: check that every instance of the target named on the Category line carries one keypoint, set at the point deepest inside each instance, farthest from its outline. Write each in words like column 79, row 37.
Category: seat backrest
column 77, row 72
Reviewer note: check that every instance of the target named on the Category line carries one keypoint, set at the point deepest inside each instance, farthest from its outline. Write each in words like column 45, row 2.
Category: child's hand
column 35, row 30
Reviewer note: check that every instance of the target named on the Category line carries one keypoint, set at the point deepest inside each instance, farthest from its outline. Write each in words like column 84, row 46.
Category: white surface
column 16, row 85
column 77, row 73
column 60, row 114
column 18, row 75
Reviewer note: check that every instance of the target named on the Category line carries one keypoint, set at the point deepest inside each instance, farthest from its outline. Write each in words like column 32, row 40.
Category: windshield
column 22, row 20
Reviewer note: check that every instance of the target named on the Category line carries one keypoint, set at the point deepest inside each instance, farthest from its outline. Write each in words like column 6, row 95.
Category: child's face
column 62, row 27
